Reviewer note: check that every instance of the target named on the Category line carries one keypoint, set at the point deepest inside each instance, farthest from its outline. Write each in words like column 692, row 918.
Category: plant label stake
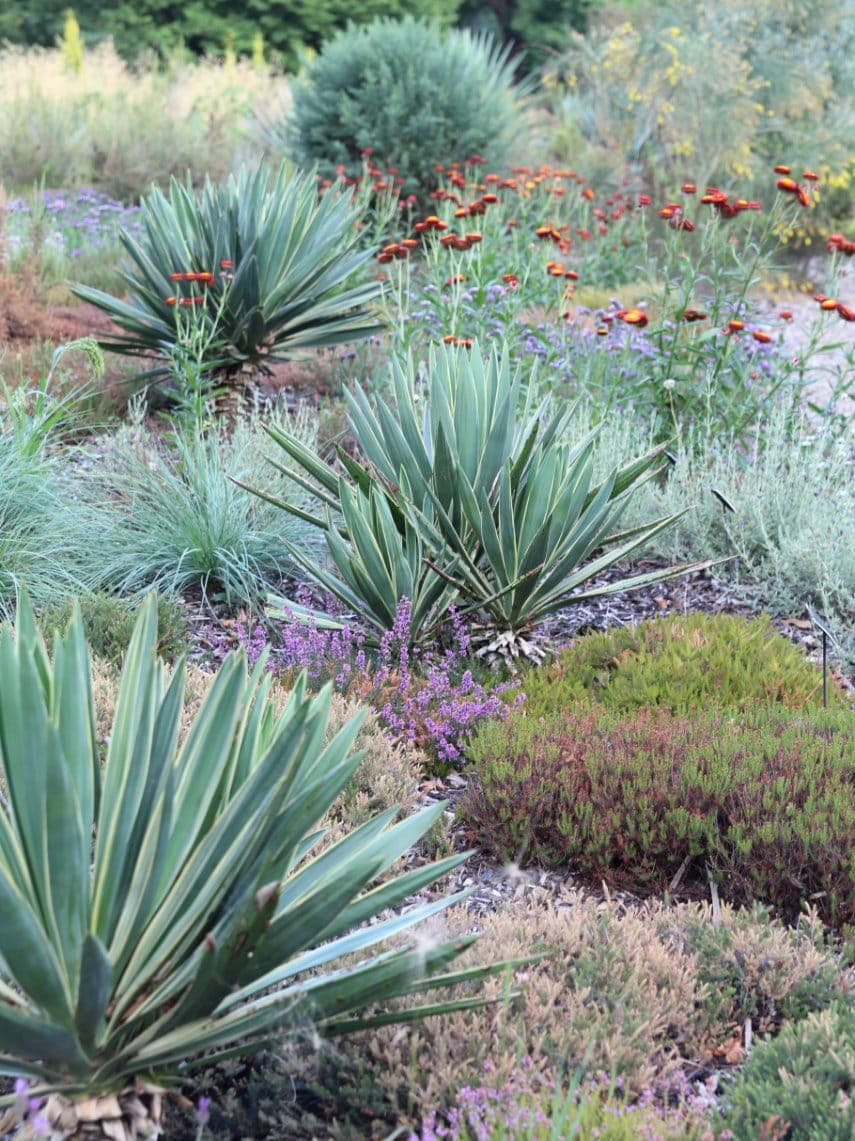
column 818, row 624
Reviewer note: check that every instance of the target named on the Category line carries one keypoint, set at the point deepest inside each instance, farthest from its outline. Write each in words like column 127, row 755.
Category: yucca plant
column 376, row 552
column 265, row 268
column 167, row 909
column 483, row 489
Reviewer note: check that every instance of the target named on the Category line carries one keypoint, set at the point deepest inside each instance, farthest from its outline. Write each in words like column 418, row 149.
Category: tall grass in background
column 118, row 128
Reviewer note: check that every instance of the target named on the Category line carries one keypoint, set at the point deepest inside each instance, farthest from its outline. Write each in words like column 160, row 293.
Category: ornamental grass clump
column 763, row 799
column 170, row 908
column 271, row 268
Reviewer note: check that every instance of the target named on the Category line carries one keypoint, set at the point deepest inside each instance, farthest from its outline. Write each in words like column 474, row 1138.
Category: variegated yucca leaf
column 168, row 903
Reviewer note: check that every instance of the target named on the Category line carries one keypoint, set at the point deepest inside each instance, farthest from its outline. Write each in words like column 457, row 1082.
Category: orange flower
column 761, row 337
column 455, row 279
column 177, row 277
column 828, row 304
column 632, row 317
column 846, row 313
column 644, row 200
column 463, row 212
column 782, row 170
column 449, row 340
column 735, row 326
column 803, row 197
column 226, row 264
column 603, row 331
column 688, row 188
column 788, row 185
column 171, row 300
column 511, row 280
column 410, row 244
column 679, row 223
column 489, row 198
column 465, row 342
column 785, row 315
column 810, row 175
column 474, row 238
column 588, row 193
column 690, row 315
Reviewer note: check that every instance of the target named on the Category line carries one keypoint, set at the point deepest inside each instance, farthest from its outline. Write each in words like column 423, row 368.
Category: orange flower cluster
column 723, row 206
column 789, row 185
column 837, row 244
column 691, row 315
column 202, row 278
column 454, row 241
column 829, row 305
column 397, row 251
column 673, row 215
column 458, row 342
column 430, row 223
column 556, row 269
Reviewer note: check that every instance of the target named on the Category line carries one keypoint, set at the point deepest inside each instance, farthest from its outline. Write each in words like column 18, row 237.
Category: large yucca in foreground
column 166, row 905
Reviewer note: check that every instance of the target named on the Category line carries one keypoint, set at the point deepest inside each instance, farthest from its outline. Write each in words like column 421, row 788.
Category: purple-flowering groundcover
column 429, row 698
column 531, row 1106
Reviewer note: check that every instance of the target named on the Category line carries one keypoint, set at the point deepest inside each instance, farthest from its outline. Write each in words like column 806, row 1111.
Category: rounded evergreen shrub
column 763, row 797
column 412, row 96
column 798, row 1085
column 680, row 663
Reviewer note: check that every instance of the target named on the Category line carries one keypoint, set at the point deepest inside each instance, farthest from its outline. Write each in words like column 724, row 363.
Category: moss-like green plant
column 108, row 623
column 681, row 663
column 798, row 1085
column 763, row 796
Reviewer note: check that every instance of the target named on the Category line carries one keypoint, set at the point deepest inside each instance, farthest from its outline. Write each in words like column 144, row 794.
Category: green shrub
column 409, row 94
column 763, row 797
column 681, row 663
column 800, row 1085
column 108, row 623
